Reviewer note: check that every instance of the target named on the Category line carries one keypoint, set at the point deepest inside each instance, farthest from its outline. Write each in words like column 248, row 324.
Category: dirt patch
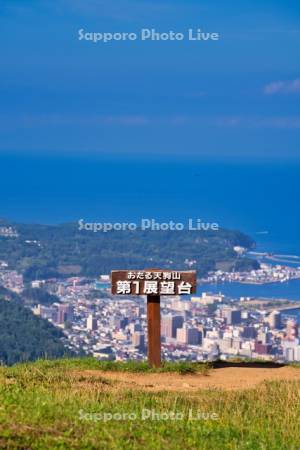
column 229, row 378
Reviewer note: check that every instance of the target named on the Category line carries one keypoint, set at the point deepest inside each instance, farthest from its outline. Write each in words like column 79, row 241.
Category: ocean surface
column 261, row 199
column 288, row 290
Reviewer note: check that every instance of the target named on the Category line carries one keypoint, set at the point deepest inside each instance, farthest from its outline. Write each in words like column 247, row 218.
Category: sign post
column 153, row 319
column 153, row 284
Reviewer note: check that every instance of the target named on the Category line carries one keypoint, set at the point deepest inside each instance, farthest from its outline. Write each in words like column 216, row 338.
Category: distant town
column 266, row 274
column 195, row 328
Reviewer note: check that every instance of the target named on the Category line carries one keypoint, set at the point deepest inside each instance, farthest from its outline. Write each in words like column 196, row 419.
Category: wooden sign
column 153, row 282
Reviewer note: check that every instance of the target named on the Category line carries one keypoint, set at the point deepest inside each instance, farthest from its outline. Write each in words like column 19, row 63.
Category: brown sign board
column 153, row 282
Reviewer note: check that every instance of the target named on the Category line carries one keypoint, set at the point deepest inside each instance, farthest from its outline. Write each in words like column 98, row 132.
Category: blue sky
column 235, row 98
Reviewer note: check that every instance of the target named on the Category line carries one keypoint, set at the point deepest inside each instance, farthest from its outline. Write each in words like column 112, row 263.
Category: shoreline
column 200, row 282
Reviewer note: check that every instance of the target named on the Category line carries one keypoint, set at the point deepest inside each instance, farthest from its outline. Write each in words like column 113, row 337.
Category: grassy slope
column 40, row 407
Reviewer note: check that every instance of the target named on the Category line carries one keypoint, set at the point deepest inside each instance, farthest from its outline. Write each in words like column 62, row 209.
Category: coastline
column 289, row 290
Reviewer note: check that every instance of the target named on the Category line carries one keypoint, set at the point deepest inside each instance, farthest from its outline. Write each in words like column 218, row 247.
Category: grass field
column 55, row 404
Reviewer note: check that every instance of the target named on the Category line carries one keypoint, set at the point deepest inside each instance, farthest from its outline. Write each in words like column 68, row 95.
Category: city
column 193, row 328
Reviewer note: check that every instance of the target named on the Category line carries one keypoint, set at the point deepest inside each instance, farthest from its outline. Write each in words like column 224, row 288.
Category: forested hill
column 41, row 251
column 26, row 337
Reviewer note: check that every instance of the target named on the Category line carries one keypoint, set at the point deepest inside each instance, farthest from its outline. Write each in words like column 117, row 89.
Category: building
column 133, row 327
column 291, row 351
column 264, row 336
column 274, row 320
column 249, row 332
column 262, row 349
column 124, row 322
column 232, row 316
column 208, row 298
column 170, row 324
column 61, row 290
column 138, row 340
column 36, row 284
column 291, row 330
column 189, row 336
column 46, row 312
column 64, row 313
column 91, row 323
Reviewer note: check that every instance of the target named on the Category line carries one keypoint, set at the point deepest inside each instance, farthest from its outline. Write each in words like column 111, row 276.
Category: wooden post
column 153, row 315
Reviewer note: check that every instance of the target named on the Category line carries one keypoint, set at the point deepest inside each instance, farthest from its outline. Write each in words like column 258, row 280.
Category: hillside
column 26, row 337
column 42, row 251
column 72, row 404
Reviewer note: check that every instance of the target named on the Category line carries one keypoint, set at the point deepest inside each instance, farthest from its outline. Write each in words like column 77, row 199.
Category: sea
column 260, row 198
